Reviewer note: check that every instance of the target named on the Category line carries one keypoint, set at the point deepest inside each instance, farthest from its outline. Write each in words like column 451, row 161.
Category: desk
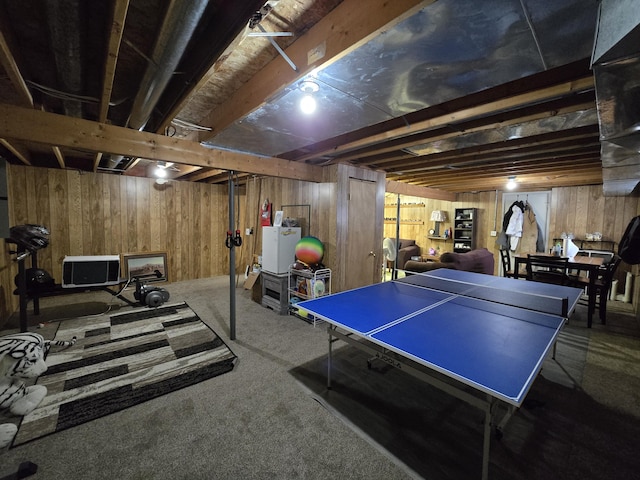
column 580, row 263
column 480, row 338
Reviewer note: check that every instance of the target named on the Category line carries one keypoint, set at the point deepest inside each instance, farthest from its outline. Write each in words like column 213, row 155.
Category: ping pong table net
column 494, row 295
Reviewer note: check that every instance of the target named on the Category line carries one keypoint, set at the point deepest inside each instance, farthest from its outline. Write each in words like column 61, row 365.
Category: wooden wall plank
column 98, row 214
column 143, row 217
column 184, row 224
column 65, row 222
column 581, row 213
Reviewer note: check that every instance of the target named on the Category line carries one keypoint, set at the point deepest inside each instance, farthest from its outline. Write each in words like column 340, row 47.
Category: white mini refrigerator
column 279, row 248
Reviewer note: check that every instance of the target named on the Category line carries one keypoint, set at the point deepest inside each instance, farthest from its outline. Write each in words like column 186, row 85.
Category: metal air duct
column 178, row 27
column 616, row 66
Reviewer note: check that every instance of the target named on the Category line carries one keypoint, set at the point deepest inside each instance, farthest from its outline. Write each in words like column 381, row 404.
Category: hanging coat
column 514, row 229
column 529, row 240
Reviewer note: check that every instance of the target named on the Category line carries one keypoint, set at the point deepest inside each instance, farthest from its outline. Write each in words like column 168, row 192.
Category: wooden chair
column 507, row 271
column 602, row 285
column 548, row 269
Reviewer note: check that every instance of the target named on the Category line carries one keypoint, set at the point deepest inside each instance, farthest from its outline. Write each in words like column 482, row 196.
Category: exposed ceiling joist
column 43, row 127
column 412, row 88
column 119, row 15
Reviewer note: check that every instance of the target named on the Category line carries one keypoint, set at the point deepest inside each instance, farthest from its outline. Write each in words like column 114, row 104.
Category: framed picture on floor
column 148, row 266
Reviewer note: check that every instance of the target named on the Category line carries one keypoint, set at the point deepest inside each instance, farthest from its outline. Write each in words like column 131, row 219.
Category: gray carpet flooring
column 272, row 417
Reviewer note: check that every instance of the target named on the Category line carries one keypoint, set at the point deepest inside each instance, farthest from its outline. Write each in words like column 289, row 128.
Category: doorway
column 361, row 261
column 539, row 202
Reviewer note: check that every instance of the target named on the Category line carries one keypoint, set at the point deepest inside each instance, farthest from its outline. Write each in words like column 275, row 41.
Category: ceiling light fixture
column 308, row 103
column 511, row 184
column 161, row 169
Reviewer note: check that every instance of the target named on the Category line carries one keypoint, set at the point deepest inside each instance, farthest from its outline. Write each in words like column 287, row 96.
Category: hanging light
column 511, row 183
column 161, row 169
column 308, row 102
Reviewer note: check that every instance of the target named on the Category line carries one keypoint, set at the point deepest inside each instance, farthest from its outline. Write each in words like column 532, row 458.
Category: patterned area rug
column 121, row 360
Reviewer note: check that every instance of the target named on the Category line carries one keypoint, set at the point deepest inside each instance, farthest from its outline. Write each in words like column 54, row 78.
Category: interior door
column 539, row 201
column 362, row 264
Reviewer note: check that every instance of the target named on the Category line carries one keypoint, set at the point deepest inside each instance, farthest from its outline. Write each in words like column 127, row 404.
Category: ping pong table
column 478, row 337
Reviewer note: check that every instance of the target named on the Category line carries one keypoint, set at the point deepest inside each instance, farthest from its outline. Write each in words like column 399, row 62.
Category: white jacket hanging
column 514, row 228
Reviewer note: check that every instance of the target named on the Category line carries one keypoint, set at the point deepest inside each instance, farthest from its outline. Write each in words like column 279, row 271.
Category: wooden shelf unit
column 464, row 229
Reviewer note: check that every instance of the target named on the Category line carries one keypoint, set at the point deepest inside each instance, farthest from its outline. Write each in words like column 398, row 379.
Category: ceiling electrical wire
column 190, row 126
column 52, row 92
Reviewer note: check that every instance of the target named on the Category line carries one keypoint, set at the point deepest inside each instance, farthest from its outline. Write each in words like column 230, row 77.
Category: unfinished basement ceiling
column 444, row 94
column 448, row 50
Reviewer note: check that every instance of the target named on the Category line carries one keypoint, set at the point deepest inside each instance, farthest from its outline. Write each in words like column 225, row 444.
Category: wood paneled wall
column 484, row 202
column 96, row 214
column 312, row 204
column 577, row 210
column 328, row 206
column 99, row 214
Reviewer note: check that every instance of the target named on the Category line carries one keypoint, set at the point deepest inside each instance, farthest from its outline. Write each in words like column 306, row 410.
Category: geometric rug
column 121, row 360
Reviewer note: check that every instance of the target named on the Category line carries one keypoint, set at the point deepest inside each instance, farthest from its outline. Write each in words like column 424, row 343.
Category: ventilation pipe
column 65, row 38
column 177, row 29
column 616, row 66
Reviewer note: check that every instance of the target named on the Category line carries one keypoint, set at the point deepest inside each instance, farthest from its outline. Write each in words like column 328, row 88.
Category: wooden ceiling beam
column 52, row 129
column 18, row 150
column 431, row 137
column 12, row 69
column 59, row 156
column 589, row 176
column 498, row 154
column 569, row 161
column 205, row 174
column 507, row 172
column 544, row 183
column 118, row 17
column 528, row 172
column 23, row 94
column 406, row 162
column 570, row 158
column 402, row 188
column 452, row 118
column 343, row 30
column 224, row 177
column 581, row 137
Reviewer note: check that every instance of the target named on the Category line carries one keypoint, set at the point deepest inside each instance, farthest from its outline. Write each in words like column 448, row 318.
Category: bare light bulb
column 308, row 104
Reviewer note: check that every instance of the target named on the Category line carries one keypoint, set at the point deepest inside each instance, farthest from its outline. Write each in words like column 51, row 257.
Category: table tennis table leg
column 329, row 358
column 488, row 417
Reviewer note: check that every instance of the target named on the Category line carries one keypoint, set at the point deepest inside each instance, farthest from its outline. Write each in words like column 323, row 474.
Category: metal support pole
column 232, row 266
column 395, row 262
column 22, row 290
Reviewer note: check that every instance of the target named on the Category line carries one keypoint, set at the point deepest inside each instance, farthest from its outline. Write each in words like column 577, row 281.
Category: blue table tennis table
column 480, row 338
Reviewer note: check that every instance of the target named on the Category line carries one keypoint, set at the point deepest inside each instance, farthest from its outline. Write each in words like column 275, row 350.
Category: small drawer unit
column 274, row 292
